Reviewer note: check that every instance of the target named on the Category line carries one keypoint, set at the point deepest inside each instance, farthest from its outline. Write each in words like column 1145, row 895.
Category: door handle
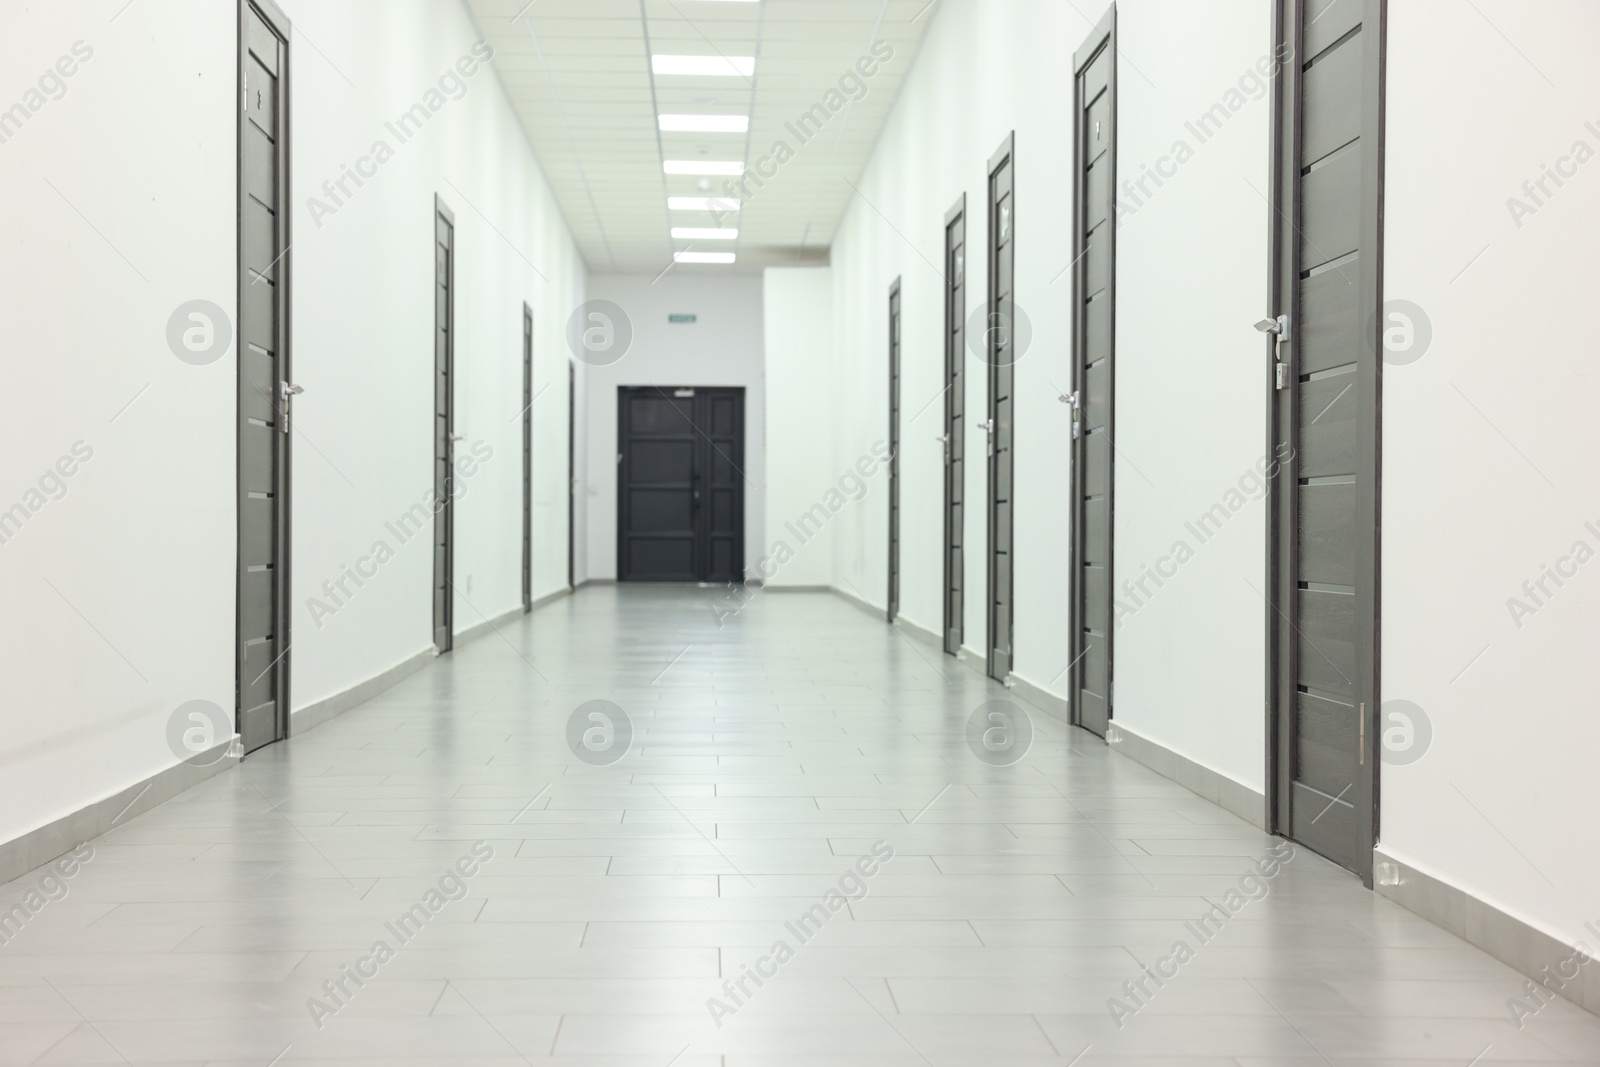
column 1279, row 328
column 986, row 425
column 285, row 392
column 1074, row 400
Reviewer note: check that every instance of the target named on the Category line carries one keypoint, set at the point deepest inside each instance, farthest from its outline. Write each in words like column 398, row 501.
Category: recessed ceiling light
column 703, row 257
column 697, row 233
column 705, row 66
column 701, row 166
column 702, row 203
column 705, row 123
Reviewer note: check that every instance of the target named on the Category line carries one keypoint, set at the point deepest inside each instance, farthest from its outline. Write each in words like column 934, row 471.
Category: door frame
column 1282, row 519
column 896, row 343
column 447, row 508
column 1005, row 155
column 527, row 458
column 1102, row 39
column 955, row 411
column 279, row 23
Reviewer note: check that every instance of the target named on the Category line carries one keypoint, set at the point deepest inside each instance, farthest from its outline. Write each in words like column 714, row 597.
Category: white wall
column 985, row 70
column 1489, row 441
column 798, row 318
column 1192, row 272
column 363, row 322
column 723, row 347
column 119, row 597
column 1191, row 389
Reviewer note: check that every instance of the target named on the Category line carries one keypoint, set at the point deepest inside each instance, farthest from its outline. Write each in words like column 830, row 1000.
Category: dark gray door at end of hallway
column 1324, row 378
column 894, row 450
column 680, row 484
column 264, row 390
column 955, row 414
column 527, row 458
column 444, row 354
column 1001, row 354
column 1093, row 375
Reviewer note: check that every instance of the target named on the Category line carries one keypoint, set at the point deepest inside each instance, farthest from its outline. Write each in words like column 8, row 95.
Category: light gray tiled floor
column 767, row 757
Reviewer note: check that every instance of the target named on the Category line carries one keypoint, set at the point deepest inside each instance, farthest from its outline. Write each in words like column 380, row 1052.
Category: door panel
column 1331, row 101
column 444, row 428
column 262, row 669
column 680, row 490
column 1093, row 375
column 1328, row 20
column 1000, row 354
column 1330, row 318
column 1330, row 219
column 1327, row 534
column 1324, row 559
column 955, row 413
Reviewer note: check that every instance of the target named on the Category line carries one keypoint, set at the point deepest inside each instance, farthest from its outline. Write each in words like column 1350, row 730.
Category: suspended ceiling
column 580, row 76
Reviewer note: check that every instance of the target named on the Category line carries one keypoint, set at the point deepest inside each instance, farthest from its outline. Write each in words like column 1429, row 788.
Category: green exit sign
column 681, row 318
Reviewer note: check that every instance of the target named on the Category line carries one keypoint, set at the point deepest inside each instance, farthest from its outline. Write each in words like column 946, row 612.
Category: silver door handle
column 986, row 424
column 1074, row 400
column 943, row 438
column 285, row 391
column 1279, row 329
column 457, row 437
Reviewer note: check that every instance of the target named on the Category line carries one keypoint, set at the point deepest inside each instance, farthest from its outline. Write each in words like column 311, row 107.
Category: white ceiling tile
column 578, row 74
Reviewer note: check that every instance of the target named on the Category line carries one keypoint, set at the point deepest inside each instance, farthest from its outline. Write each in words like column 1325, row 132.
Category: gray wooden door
column 264, row 392
column 955, row 412
column 444, row 437
column 1324, row 382
column 527, row 458
column 1001, row 353
column 894, row 450
column 572, row 476
column 1093, row 365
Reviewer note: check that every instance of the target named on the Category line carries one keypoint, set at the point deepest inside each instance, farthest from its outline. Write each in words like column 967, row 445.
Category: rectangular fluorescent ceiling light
column 702, row 203
column 703, row 257
column 702, row 166
column 705, row 123
column 697, row 233
column 705, row 66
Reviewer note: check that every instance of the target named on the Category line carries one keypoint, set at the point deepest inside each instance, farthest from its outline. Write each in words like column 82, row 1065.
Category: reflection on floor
column 438, row 878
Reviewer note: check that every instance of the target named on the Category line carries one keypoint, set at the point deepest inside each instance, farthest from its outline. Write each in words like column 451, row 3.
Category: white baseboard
column 1503, row 936
column 56, row 838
